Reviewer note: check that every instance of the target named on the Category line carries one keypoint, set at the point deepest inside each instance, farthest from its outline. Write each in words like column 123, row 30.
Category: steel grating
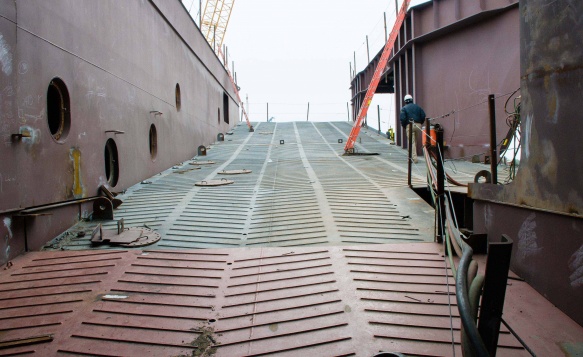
column 301, row 191
column 318, row 301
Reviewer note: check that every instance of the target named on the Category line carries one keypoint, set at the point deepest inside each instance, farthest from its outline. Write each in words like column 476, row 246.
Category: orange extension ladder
column 374, row 83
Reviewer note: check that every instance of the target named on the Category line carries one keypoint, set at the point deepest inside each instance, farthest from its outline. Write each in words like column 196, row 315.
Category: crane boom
column 215, row 18
column 349, row 147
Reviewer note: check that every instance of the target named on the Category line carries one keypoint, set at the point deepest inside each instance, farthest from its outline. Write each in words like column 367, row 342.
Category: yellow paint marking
column 77, row 187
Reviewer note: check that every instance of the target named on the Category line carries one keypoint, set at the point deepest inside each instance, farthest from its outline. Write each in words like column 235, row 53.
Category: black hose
column 464, row 306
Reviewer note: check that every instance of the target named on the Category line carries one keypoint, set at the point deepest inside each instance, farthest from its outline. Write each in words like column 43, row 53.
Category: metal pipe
column 396, row 6
column 428, row 143
column 347, row 112
column 379, row 117
column 308, row 115
column 410, row 159
column 367, row 51
column 25, row 235
column 493, row 150
column 440, row 185
column 386, row 36
column 464, row 306
column 58, row 205
column 267, row 118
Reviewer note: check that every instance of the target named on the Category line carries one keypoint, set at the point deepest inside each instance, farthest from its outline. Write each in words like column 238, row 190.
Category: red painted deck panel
column 250, row 302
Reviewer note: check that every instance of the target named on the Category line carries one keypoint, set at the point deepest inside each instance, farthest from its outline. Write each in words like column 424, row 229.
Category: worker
column 412, row 117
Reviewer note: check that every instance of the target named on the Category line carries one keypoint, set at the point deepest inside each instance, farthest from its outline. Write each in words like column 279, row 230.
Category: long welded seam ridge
column 188, row 197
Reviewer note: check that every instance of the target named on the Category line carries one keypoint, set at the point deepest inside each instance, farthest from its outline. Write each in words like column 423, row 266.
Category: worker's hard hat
column 408, row 98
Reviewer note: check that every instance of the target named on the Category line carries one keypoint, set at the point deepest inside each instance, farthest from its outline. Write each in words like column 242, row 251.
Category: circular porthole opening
column 178, row 99
column 111, row 163
column 58, row 109
column 153, row 141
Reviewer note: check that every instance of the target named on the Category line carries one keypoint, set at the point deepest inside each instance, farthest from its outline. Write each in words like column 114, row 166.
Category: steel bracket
column 102, row 209
column 116, row 202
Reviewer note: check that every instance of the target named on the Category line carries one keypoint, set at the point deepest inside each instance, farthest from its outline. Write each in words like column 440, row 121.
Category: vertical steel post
column 267, row 119
column 493, row 150
column 308, row 115
column 440, row 206
column 396, row 6
column 25, row 236
column 496, row 278
column 351, row 76
column 367, row 51
column 379, row 117
column 215, row 38
column 386, row 36
column 200, row 14
column 410, row 153
column 355, row 63
column 428, row 143
column 347, row 112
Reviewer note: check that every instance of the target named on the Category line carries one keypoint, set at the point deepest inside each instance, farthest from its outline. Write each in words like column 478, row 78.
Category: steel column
column 497, row 266
column 493, row 151
column 440, row 186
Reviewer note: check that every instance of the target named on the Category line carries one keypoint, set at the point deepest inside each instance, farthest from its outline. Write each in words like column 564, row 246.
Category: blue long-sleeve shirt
column 411, row 111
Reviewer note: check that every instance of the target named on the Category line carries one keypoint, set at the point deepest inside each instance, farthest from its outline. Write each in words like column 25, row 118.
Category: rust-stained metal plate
column 221, row 182
column 234, row 172
column 296, row 301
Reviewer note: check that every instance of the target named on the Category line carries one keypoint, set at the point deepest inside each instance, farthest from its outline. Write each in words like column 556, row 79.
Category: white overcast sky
column 288, row 53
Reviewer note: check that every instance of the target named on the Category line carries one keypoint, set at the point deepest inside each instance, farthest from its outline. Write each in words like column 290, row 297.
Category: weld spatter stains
column 527, row 239
column 5, row 56
column 526, row 137
column 488, row 217
column 8, row 223
column 576, row 266
column 78, row 189
column 31, row 136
